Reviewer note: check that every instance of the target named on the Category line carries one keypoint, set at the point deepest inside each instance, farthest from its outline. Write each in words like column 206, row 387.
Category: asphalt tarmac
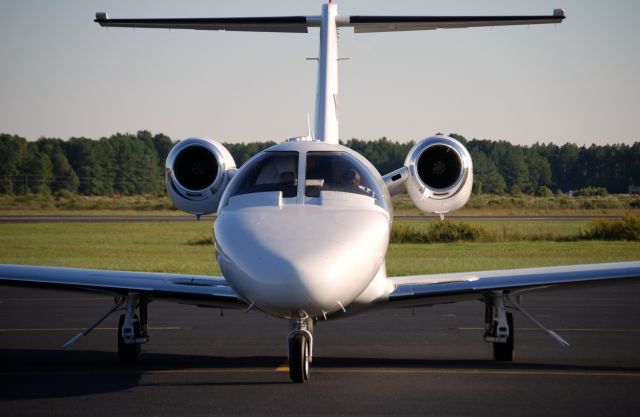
column 387, row 362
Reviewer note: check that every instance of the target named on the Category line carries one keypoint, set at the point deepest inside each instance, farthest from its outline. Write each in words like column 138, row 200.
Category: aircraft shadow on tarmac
column 37, row 374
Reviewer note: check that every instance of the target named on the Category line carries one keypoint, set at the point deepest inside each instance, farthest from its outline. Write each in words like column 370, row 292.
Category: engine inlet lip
column 459, row 154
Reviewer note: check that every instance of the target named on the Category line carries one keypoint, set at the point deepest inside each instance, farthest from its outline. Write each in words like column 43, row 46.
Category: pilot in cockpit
column 278, row 171
column 351, row 179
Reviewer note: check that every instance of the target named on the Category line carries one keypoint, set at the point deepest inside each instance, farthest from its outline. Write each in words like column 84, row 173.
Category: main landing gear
column 132, row 329
column 300, row 348
column 499, row 328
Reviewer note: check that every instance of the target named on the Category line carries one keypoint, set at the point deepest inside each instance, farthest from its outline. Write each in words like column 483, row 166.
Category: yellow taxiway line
column 536, row 329
column 76, row 329
column 283, row 368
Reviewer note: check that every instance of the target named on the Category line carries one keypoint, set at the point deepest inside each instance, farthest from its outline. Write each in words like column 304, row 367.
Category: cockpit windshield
column 339, row 171
column 326, row 171
column 272, row 171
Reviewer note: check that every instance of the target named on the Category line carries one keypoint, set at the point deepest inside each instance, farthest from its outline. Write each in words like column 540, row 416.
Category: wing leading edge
column 188, row 289
column 420, row 290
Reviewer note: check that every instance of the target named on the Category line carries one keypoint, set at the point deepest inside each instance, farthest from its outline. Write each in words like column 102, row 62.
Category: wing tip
column 101, row 17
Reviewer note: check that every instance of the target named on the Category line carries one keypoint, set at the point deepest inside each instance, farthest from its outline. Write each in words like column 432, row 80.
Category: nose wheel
column 299, row 358
column 300, row 349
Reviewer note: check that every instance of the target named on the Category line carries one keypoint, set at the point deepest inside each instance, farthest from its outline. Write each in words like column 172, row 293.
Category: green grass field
column 169, row 247
column 478, row 205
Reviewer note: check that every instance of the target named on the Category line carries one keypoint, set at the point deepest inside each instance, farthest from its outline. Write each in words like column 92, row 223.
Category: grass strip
column 169, row 247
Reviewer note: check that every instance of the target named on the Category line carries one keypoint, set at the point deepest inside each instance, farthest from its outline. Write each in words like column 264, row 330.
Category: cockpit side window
column 337, row 171
column 274, row 171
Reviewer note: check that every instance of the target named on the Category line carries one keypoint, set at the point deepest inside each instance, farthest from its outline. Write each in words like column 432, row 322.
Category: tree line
column 130, row 164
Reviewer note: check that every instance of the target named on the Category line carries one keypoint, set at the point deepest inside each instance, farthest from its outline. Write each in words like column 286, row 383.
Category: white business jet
column 303, row 227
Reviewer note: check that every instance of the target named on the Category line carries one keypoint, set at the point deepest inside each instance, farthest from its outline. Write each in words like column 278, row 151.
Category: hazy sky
column 61, row 75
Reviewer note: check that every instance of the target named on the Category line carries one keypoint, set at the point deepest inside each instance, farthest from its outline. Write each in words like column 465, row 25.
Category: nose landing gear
column 300, row 348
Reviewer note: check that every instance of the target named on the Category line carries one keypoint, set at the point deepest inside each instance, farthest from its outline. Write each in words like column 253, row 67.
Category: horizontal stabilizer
column 295, row 24
column 300, row 24
column 366, row 24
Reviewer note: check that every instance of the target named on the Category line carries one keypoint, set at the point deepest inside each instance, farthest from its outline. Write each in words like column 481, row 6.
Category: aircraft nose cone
column 301, row 257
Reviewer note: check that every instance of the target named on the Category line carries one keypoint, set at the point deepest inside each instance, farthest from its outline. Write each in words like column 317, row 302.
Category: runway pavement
column 382, row 363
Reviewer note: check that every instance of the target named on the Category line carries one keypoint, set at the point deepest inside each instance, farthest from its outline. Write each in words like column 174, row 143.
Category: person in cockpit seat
column 351, row 179
column 279, row 171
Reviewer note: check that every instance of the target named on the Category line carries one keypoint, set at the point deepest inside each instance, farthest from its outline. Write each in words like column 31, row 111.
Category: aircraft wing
column 187, row 289
column 366, row 24
column 423, row 290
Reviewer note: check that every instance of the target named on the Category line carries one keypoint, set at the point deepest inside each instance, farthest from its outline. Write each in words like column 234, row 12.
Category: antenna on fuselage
column 309, row 131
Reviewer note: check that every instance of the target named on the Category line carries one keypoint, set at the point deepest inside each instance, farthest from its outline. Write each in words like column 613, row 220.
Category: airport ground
column 392, row 362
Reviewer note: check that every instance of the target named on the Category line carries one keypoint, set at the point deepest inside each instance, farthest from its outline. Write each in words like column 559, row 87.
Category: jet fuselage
column 303, row 229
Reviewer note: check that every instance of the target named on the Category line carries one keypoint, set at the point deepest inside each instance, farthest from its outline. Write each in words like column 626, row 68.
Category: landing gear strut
column 132, row 329
column 300, row 348
column 499, row 328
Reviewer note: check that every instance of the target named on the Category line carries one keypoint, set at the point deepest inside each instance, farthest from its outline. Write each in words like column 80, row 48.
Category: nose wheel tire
column 503, row 352
column 299, row 358
column 128, row 353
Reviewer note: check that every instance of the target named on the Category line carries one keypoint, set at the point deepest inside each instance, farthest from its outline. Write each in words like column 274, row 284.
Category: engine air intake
column 439, row 167
column 195, row 168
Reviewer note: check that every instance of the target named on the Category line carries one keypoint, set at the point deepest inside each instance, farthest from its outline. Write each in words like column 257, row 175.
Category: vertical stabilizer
column 326, row 118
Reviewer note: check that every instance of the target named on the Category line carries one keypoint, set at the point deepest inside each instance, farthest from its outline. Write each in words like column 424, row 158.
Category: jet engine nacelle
column 197, row 172
column 440, row 174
